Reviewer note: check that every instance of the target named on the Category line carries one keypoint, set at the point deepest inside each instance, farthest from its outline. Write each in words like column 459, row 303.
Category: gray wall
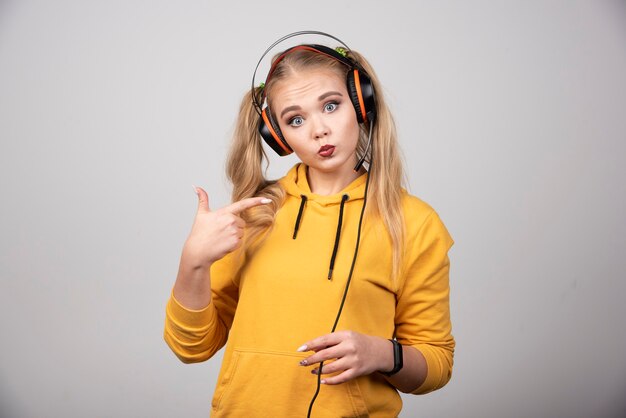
column 512, row 118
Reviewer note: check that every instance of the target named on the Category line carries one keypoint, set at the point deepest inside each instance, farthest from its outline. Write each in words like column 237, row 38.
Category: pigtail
column 244, row 169
column 386, row 171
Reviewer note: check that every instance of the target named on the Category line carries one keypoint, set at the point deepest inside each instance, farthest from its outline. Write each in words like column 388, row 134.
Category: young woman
column 329, row 287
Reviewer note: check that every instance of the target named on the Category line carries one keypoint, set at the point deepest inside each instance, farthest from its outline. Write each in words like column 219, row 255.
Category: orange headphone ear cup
column 271, row 134
column 361, row 93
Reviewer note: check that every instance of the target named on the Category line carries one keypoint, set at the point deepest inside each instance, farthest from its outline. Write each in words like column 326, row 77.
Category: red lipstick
column 326, row 150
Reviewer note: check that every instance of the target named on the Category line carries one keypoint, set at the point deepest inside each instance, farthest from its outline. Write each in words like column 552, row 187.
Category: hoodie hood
column 296, row 184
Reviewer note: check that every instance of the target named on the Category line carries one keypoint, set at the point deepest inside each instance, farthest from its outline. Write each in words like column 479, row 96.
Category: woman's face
column 317, row 119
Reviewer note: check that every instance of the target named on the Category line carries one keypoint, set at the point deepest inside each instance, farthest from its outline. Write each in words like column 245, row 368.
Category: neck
column 326, row 184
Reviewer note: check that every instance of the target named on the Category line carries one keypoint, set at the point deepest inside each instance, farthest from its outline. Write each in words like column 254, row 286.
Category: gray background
column 512, row 119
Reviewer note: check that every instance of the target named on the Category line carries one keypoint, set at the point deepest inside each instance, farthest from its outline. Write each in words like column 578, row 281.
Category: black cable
column 345, row 292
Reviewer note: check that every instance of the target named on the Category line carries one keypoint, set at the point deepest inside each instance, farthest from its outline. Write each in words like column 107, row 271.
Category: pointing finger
column 240, row 206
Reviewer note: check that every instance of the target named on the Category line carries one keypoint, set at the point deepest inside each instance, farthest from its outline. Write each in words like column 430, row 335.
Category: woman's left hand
column 353, row 354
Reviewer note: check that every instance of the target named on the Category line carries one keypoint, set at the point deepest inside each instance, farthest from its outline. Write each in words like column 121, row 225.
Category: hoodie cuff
column 438, row 372
column 190, row 318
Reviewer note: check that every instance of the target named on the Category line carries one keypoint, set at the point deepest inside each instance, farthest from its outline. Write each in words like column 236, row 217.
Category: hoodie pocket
column 272, row 384
column 261, row 383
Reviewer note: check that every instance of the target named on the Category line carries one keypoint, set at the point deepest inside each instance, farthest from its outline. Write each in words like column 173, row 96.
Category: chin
column 329, row 165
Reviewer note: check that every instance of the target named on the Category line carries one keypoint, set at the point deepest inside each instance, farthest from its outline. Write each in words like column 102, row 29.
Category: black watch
column 397, row 359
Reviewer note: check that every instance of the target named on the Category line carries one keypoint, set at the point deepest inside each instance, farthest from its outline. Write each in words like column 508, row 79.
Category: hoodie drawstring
column 336, row 246
column 297, row 225
column 344, row 199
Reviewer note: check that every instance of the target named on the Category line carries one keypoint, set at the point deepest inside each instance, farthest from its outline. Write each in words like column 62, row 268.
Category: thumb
column 203, row 199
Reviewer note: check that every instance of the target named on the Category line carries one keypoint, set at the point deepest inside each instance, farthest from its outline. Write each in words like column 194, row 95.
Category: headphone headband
column 259, row 106
column 319, row 49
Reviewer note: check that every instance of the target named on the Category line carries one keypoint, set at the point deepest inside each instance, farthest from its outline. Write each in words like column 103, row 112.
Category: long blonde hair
column 247, row 158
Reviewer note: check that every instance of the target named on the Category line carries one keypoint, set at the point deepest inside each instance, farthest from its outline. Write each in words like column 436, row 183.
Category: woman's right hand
column 215, row 233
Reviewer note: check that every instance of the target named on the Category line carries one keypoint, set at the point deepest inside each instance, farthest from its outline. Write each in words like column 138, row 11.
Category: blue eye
column 296, row 121
column 330, row 106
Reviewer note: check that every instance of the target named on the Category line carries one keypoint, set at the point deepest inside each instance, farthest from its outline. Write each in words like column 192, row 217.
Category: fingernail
column 195, row 189
column 266, row 201
column 303, row 362
column 302, row 348
column 314, row 371
column 323, row 382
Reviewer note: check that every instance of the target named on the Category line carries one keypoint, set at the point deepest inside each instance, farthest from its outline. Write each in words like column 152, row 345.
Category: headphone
column 359, row 86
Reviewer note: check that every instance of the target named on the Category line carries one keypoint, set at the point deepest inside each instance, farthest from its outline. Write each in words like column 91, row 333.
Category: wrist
column 386, row 355
column 189, row 261
column 398, row 360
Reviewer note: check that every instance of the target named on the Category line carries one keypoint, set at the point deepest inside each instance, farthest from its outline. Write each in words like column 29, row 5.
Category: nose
column 320, row 128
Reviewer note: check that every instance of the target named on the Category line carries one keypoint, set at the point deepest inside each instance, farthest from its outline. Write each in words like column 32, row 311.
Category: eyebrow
column 322, row 97
column 330, row 93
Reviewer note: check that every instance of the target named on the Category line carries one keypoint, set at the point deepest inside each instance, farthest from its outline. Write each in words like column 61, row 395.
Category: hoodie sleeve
column 196, row 335
column 423, row 309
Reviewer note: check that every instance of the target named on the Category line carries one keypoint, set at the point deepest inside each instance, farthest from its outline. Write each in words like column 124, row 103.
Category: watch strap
column 397, row 359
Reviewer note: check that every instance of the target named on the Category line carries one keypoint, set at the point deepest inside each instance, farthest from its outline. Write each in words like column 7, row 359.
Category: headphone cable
column 345, row 292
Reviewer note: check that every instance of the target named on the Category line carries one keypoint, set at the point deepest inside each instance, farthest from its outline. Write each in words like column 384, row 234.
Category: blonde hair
column 246, row 157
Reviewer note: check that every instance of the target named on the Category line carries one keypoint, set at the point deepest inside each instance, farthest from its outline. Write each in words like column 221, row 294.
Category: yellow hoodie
column 266, row 306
